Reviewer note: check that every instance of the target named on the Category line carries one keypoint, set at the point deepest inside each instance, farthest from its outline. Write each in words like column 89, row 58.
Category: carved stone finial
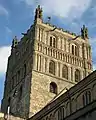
column 14, row 42
column 38, row 12
column 84, row 32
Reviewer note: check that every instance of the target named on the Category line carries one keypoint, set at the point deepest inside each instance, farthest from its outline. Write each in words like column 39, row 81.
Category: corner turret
column 38, row 14
column 84, row 32
column 14, row 42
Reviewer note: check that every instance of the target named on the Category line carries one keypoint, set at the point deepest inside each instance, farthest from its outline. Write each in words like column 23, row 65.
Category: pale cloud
column 62, row 8
column 8, row 30
column 4, row 53
column 3, row 11
column 93, row 44
column 28, row 2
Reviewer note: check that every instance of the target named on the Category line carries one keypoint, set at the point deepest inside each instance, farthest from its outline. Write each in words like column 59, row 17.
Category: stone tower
column 46, row 60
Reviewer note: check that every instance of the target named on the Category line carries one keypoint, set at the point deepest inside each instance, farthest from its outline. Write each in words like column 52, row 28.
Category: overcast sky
column 16, row 16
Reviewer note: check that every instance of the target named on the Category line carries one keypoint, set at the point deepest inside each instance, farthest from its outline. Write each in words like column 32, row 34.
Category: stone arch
column 53, row 41
column 75, row 49
column 52, row 67
column 67, row 108
column 73, row 105
column 65, row 71
column 86, row 98
column 80, row 98
column 60, row 113
column 77, row 75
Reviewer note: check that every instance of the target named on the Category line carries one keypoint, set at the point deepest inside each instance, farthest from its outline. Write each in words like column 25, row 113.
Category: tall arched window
column 72, row 49
column 53, row 87
column 53, row 41
column 50, row 41
column 52, row 67
column 75, row 50
column 65, row 72
column 77, row 75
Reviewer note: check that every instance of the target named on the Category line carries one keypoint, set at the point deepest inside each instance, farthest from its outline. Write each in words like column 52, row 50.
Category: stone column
column 44, row 39
column 40, row 34
column 47, row 38
column 69, row 73
column 80, row 51
column 61, row 66
column 73, row 74
column 35, row 61
column 56, row 69
column 42, row 63
column 67, row 46
column 62, row 44
column 81, row 75
column 36, row 45
column 36, row 33
column 85, row 52
column 39, row 62
column 59, row 43
column 48, row 61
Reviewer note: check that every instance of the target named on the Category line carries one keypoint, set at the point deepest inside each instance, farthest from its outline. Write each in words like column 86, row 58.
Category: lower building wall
column 88, row 116
column 40, row 90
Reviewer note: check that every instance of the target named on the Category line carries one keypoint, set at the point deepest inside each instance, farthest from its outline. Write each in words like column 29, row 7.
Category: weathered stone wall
column 40, row 90
column 72, row 103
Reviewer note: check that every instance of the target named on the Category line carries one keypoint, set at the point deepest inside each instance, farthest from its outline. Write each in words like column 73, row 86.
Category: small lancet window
column 53, row 87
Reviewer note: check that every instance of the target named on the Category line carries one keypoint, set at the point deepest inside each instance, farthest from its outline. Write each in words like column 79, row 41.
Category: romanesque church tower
column 46, row 60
